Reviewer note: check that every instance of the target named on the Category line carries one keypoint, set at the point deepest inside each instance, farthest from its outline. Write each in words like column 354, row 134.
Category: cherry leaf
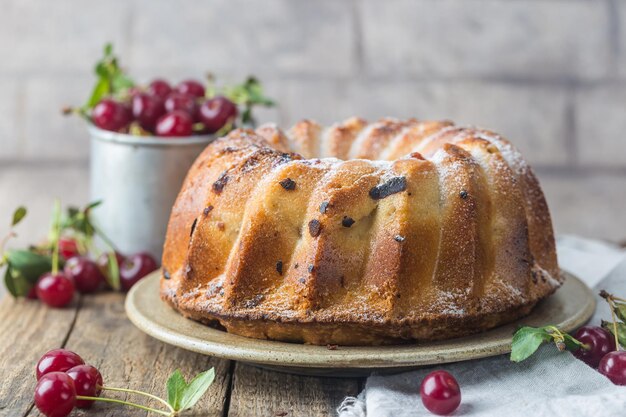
column 526, row 341
column 570, row 343
column 108, row 49
column 18, row 215
column 16, row 283
column 196, row 388
column 92, row 205
column 621, row 331
column 28, row 264
column 176, row 386
column 9, row 283
column 100, row 90
column 620, row 310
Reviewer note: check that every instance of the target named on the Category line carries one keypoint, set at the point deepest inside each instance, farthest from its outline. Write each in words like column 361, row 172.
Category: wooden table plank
column 96, row 327
column 263, row 393
column 27, row 330
column 128, row 358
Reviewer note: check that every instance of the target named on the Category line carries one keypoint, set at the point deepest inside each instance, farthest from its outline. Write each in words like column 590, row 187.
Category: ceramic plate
column 570, row 307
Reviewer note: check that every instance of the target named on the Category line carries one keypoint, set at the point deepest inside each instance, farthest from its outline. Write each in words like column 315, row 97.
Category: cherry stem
column 104, row 238
column 558, row 337
column 132, row 391
column 56, row 225
column 113, row 400
column 10, row 235
column 610, row 299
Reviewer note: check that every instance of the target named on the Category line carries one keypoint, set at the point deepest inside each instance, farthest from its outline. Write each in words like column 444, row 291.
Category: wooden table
column 96, row 327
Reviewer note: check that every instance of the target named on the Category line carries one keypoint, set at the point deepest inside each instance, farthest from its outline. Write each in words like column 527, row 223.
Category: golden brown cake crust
column 437, row 231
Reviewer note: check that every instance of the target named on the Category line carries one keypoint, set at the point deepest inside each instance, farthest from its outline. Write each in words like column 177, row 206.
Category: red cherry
column 191, row 87
column 85, row 273
column 147, row 109
column 32, row 293
column 57, row 360
column 67, row 247
column 159, row 88
column 111, row 115
column 613, row 366
column 88, row 383
column 136, row 267
column 599, row 341
column 55, row 290
column 216, row 112
column 55, row 394
column 176, row 124
column 183, row 102
column 440, row 393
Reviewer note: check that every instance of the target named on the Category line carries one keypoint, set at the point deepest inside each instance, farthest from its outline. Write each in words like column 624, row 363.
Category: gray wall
column 550, row 75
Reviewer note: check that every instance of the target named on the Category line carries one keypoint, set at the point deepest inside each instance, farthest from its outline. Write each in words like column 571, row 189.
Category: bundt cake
column 359, row 234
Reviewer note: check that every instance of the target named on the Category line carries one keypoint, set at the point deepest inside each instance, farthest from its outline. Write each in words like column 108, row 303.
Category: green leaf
column 93, row 204
column 621, row 331
column 120, row 82
column 16, row 283
column 108, row 49
column 72, row 212
column 620, row 310
column 28, row 264
column 18, row 215
column 570, row 343
column 196, row 389
column 526, row 341
column 9, row 283
column 176, row 386
column 101, row 69
column 100, row 90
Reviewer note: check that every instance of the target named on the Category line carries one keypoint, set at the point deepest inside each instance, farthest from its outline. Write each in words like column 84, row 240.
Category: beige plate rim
column 570, row 307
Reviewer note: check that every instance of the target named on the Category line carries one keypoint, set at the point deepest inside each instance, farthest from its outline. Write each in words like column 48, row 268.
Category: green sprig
column 248, row 95
column 111, row 80
column 180, row 394
column 25, row 266
column 527, row 340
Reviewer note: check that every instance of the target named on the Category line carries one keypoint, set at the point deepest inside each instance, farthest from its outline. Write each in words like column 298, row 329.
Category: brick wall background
column 550, row 75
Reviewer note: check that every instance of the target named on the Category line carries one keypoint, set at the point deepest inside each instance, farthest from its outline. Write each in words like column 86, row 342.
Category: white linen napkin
column 547, row 384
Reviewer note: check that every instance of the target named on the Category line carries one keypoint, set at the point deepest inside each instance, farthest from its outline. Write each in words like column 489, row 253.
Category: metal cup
column 138, row 178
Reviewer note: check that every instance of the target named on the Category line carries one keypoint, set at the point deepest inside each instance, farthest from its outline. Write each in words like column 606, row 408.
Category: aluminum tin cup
column 138, row 178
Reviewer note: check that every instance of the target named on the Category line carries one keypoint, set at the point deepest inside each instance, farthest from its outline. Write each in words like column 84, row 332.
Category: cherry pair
column 601, row 354
column 63, row 382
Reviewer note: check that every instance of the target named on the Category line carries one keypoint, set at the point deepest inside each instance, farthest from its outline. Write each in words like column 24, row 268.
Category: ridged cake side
column 403, row 230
